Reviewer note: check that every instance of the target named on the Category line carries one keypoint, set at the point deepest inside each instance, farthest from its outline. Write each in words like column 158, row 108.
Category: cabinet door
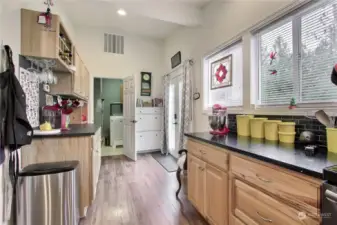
column 216, row 208
column 87, row 83
column 83, row 80
column 35, row 39
column 77, row 75
column 196, row 182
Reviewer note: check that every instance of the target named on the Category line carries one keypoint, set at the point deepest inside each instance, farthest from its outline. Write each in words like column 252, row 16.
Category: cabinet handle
column 202, row 152
column 332, row 197
column 263, row 218
column 202, row 169
column 263, row 179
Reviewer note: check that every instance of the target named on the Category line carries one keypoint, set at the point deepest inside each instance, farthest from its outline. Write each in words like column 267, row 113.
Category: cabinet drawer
column 148, row 140
column 149, row 110
column 210, row 154
column 216, row 157
column 254, row 207
column 295, row 191
column 194, row 148
column 148, row 122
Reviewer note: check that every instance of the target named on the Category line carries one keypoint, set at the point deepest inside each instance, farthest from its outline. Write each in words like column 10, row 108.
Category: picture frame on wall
column 145, row 84
column 176, row 60
column 221, row 72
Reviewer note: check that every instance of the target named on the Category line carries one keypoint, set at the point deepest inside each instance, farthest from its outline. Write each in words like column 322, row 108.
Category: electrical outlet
column 46, row 88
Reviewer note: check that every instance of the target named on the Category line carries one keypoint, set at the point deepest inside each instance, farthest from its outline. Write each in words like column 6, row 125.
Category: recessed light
column 121, row 12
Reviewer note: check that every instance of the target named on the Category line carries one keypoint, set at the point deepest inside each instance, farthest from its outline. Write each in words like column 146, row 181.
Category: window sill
column 300, row 110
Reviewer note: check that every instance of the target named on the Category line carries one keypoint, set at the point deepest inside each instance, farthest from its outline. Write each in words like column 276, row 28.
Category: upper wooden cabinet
column 39, row 42
column 77, row 74
column 74, row 85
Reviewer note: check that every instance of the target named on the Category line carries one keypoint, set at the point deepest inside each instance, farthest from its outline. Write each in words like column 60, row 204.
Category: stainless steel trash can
column 48, row 194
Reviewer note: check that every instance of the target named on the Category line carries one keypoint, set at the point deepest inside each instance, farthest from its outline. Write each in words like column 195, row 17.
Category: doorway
column 175, row 101
column 108, row 114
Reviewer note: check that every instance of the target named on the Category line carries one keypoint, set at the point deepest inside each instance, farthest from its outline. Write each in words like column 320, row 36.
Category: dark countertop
column 289, row 157
column 76, row 130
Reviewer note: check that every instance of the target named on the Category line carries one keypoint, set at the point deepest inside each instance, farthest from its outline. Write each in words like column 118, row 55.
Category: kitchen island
column 82, row 143
column 237, row 180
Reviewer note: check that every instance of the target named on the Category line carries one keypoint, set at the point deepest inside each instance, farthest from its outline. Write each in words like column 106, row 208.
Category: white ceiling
column 152, row 18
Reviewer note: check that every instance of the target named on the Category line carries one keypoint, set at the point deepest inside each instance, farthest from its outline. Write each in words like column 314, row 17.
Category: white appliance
column 148, row 129
column 116, row 130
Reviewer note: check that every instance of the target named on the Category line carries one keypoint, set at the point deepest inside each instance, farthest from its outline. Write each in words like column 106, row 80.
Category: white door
column 129, row 109
column 176, row 85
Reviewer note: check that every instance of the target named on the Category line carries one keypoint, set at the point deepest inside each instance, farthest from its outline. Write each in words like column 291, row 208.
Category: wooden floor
column 140, row 193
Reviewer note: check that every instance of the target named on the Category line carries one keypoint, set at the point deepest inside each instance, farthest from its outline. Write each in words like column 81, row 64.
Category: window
column 230, row 96
column 296, row 57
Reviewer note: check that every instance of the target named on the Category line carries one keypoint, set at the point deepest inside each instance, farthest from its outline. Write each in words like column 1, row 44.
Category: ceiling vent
column 113, row 43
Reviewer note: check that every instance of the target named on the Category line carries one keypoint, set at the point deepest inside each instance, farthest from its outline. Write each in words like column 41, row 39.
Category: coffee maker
column 217, row 120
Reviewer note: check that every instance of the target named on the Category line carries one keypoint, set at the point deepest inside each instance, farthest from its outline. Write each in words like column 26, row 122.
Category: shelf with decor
column 40, row 42
column 76, row 85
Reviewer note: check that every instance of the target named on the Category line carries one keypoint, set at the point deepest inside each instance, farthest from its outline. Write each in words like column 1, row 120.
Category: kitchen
column 286, row 183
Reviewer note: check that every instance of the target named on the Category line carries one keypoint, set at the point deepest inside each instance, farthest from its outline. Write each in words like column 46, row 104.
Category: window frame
column 238, row 40
column 297, row 66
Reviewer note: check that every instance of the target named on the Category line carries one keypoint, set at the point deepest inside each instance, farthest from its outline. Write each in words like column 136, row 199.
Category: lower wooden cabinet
column 208, row 190
column 230, row 189
column 196, row 182
column 96, row 162
column 85, row 149
column 216, row 196
column 254, row 207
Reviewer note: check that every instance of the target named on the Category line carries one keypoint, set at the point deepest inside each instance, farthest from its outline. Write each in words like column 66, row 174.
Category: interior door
column 176, row 85
column 129, row 111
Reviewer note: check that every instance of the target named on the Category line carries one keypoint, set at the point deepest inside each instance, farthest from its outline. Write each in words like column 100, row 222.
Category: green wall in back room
column 110, row 93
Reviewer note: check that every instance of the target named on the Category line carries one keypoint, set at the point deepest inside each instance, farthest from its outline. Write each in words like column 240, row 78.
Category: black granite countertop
column 76, row 130
column 286, row 156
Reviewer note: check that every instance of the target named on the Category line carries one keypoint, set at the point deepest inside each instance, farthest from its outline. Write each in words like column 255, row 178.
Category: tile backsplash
column 302, row 124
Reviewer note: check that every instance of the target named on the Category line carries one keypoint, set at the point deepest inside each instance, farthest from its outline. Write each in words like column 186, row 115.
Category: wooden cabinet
column 75, row 85
column 39, row 42
column 53, row 149
column 229, row 188
column 86, row 82
column 303, row 195
column 77, row 74
column 216, row 205
column 196, row 182
column 96, row 162
column 254, row 207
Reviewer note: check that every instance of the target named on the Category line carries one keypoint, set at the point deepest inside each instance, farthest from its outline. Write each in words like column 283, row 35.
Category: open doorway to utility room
column 108, row 113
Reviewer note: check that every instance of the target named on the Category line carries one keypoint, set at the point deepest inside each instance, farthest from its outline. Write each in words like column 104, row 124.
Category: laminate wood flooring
column 139, row 193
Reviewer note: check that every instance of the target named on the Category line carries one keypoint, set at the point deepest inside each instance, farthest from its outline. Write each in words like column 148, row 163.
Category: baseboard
column 148, row 151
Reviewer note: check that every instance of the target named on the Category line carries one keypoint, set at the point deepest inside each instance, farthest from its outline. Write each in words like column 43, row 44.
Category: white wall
column 140, row 54
column 222, row 22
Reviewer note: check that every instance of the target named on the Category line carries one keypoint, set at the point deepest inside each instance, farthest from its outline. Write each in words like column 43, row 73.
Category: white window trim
column 301, row 108
column 252, row 108
column 205, row 86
